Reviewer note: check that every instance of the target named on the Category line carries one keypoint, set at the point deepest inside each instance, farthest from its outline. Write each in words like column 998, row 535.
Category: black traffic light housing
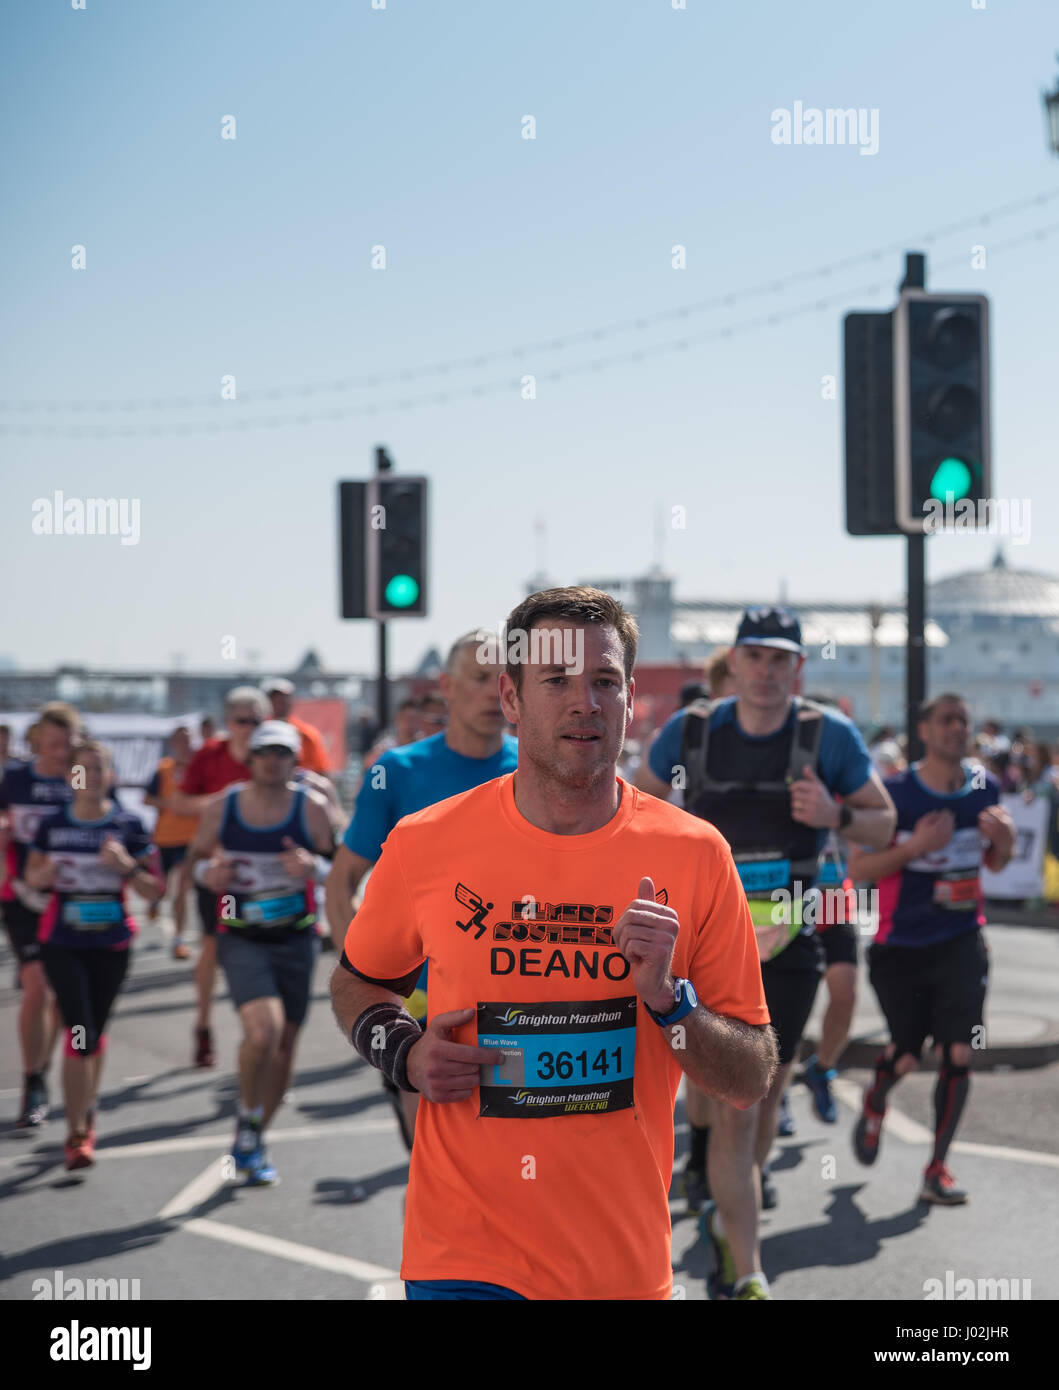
column 396, row 547
column 941, row 406
column 869, row 424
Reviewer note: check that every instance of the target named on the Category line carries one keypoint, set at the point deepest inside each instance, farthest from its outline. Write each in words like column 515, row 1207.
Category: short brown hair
column 89, row 745
column 928, row 708
column 577, row 603
column 62, row 715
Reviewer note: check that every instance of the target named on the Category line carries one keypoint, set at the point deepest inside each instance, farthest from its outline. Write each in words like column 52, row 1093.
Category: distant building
column 991, row 634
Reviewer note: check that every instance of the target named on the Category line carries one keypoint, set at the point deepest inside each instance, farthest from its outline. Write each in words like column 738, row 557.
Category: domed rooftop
column 997, row 590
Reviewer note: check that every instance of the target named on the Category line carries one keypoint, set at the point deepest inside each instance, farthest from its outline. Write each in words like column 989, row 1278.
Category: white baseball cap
column 276, row 733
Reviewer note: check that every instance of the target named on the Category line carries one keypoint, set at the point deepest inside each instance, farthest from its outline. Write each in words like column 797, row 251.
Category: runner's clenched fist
column 646, row 935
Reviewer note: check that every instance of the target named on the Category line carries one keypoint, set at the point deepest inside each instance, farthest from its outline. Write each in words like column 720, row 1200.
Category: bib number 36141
column 559, row 1059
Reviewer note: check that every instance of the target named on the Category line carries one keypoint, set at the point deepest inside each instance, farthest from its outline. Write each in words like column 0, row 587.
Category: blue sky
column 402, row 128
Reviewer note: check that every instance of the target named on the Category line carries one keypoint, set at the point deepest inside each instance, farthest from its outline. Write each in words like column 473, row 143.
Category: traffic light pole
column 383, row 465
column 915, row 651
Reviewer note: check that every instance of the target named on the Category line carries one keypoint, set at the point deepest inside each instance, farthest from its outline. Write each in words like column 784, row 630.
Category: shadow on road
column 849, row 1237
column 340, row 1192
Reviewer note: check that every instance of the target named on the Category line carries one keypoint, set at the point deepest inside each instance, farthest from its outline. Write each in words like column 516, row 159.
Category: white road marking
column 290, row 1250
column 1000, row 1151
column 197, row 1191
column 150, row 1148
column 145, row 1077
column 913, row 1133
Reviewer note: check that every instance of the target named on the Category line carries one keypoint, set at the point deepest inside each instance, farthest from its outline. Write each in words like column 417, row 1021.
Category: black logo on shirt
column 479, row 910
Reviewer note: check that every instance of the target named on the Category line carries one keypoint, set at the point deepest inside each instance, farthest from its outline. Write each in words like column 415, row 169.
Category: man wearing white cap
column 313, row 750
column 256, row 848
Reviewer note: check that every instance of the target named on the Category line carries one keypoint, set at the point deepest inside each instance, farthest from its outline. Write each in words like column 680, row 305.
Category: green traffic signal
column 401, row 591
column 952, row 480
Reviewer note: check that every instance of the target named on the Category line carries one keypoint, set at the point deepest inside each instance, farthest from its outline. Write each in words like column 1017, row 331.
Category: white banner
column 1024, row 876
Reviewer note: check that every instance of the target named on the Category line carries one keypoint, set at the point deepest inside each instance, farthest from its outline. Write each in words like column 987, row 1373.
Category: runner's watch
column 844, row 817
column 687, row 1000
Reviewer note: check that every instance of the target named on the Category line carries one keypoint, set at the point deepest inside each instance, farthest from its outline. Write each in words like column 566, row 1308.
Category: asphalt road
column 157, row 1208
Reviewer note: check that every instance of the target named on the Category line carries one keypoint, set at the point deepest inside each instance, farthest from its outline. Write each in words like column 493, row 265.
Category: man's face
column 764, row 677
column 471, row 689
column 242, row 720
column 945, row 734
column 90, row 773
column 272, row 767
column 406, row 725
column 433, row 717
column 554, row 706
column 181, row 744
column 53, row 744
column 281, row 704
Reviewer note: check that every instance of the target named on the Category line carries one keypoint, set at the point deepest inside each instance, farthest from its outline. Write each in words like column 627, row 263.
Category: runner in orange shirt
column 173, row 833
column 313, row 753
column 572, row 925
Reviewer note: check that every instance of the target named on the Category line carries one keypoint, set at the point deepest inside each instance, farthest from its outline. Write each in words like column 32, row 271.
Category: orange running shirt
column 170, row 829
column 568, row 1202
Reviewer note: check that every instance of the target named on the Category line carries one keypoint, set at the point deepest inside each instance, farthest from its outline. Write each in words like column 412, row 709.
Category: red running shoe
column 939, row 1186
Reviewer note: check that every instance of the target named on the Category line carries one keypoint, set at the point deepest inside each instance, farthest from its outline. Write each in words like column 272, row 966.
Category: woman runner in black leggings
column 86, row 852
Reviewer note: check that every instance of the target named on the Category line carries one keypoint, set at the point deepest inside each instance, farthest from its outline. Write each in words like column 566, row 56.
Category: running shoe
column 866, row 1134
column 79, row 1150
column 720, row 1284
column 786, row 1122
column 819, row 1080
column 695, row 1187
column 248, row 1150
column 204, row 1054
column 769, row 1197
column 181, row 950
column 262, row 1174
column 749, row 1291
column 34, row 1106
column 939, row 1186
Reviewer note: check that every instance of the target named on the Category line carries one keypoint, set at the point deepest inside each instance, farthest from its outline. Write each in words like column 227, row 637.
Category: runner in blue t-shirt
column 929, row 964
column 765, row 767
column 473, row 749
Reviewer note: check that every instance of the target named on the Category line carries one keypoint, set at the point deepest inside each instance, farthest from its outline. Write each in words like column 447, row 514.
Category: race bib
column 274, row 910
column 92, row 914
column 559, row 1059
column 775, row 924
column 762, row 875
column 956, row 892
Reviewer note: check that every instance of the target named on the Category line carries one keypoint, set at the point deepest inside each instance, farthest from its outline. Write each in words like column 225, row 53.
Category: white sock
column 716, row 1222
column 757, row 1274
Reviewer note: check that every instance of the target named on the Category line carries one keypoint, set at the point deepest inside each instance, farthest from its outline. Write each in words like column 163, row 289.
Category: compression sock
column 950, row 1096
column 885, row 1079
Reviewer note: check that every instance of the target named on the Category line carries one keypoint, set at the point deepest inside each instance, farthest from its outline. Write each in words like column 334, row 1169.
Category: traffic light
column 869, row 426
column 941, row 407
column 352, row 580
column 397, row 547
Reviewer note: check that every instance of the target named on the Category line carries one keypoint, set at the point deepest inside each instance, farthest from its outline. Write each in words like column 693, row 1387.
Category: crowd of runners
column 537, row 939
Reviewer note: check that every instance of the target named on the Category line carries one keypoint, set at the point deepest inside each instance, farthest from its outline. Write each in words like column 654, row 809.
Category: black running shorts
column 207, row 901
column 171, row 856
column 790, row 981
column 931, row 991
column 22, row 926
column 840, row 944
